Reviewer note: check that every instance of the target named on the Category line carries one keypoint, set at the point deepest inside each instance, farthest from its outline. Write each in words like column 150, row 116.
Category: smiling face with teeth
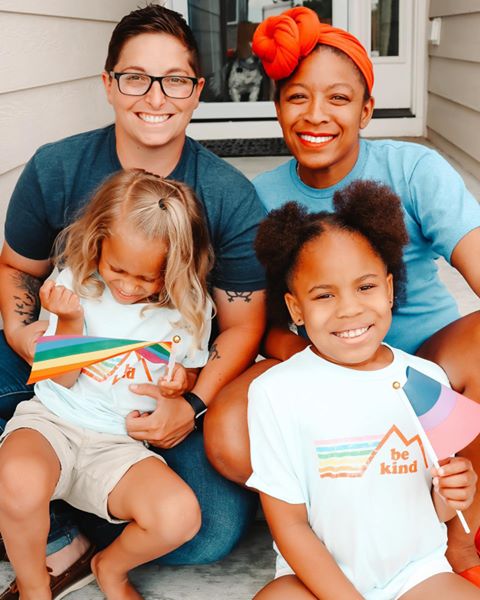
column 153, row 121
column 341, row 292
column 321, row 110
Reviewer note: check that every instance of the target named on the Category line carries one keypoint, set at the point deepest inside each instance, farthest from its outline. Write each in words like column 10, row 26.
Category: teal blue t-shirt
column 438, row 211
column 61, row 177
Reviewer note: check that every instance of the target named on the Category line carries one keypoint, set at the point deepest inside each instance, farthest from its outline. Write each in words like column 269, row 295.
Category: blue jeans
column 227, row 509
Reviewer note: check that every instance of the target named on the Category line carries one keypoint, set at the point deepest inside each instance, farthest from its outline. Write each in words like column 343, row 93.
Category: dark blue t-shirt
column 61, row 178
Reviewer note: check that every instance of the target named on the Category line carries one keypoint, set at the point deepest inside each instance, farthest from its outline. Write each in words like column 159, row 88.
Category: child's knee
column 24, row 485
column 177, row 520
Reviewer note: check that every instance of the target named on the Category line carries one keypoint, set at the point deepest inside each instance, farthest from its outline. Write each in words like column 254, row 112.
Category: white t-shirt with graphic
column 343, row 442
column 100, row 398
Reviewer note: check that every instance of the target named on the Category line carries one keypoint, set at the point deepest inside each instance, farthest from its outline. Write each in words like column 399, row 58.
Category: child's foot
column 114, row 586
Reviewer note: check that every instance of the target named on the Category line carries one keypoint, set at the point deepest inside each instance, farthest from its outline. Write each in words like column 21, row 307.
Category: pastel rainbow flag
column 450, row 420
column 57, row 354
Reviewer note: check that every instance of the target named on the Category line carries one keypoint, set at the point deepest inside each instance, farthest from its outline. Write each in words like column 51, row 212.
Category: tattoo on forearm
column 245, row 296
column 213, row 354
column 27, row 302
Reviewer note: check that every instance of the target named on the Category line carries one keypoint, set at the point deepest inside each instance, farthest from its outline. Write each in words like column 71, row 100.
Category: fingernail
column 435, row 482
column 441, row 471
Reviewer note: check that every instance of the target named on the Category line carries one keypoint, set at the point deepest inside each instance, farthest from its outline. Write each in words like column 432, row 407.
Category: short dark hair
column 153, row 18
column 367, row 208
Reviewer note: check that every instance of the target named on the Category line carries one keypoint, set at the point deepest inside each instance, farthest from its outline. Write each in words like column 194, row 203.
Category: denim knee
column 14, row 372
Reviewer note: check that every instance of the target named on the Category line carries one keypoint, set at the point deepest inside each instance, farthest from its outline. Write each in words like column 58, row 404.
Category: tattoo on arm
column 213, row 353
column 245, row 296
column 27, row 302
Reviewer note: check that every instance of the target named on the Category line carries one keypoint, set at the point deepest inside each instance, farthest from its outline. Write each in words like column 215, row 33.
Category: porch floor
column 251, row 564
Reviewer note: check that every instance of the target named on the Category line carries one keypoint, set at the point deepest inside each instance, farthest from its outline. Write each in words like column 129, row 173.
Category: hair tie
column 161, row 204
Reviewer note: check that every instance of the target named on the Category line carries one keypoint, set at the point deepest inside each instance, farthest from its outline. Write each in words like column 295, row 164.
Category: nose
column 155, row 96
column 317, row 111
column 129, row 285
column 349, row 305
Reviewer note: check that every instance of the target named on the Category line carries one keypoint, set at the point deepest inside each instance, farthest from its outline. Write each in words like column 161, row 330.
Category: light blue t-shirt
column 438, row 210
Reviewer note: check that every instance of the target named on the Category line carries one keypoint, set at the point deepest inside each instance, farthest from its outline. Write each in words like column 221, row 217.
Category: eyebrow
column 329, row 286
column 136, row 68
column 338, row 84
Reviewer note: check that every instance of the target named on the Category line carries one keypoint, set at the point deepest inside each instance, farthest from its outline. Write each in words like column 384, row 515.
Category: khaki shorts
column 91, row 463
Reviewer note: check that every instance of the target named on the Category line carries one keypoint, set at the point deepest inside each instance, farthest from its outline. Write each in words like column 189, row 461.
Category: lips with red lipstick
column 315, row 139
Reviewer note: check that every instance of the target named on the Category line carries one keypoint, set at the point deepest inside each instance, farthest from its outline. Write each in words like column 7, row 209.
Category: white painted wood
column 33, row 117
column 84, row 9
column 460, row 38
column 40, row 50
column 455, row 80
column 270, row 129
column 459, row 125
column 440, row 8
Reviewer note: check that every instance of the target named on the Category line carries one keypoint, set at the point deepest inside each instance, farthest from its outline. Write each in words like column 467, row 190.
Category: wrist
column 199, row 408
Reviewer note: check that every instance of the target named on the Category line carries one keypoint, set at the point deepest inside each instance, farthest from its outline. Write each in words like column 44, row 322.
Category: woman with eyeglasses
column 152, row 80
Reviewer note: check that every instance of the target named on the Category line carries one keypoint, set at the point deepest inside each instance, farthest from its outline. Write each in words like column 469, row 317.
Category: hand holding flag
column 446, row 420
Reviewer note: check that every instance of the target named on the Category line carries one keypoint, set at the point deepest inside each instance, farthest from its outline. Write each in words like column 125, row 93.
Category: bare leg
column 164, row 513
column 456, row 348
column 288, row 587
column 29, row 471
column 226, row 432
column 445, row 586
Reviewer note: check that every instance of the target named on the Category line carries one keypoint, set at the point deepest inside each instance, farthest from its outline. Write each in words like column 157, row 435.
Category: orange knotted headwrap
column 280, row 42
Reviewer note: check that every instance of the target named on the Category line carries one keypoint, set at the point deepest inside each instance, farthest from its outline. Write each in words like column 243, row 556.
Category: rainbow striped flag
column 57, row 354
column 450, row 420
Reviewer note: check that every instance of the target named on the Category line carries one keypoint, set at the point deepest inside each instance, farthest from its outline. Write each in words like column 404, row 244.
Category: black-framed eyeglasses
column 138, row 84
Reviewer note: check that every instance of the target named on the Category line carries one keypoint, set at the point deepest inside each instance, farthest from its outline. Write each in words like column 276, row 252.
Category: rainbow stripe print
column 347, row 457
column 57, row 354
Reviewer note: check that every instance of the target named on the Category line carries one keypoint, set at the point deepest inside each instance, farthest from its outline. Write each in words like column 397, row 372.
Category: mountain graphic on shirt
column 351, row 457
column 107, row 368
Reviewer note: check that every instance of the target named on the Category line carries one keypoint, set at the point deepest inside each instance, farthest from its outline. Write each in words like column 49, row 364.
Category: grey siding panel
column 455, row 80
column 460, row 38
column 103, row 10
column 459, row 125
column 439, row 8
column 39, row 50
column 46, row 114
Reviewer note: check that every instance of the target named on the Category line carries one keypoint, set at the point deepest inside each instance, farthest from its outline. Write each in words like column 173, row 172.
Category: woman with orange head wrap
column 324, row 81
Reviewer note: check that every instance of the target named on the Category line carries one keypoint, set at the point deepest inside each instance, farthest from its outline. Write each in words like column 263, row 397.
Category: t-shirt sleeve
column 236, row 265
column 444, row 208
column 272, row 460
column 27, row 228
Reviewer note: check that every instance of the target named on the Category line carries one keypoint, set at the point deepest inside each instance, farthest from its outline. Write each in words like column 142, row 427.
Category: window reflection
column 385, row 18
column 224, row 30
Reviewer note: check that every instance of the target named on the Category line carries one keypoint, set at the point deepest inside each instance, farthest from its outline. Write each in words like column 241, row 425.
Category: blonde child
column 135, row 266
column 327, row 426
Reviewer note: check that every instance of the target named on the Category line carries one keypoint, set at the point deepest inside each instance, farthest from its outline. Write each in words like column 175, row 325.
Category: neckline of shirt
column 328, row 192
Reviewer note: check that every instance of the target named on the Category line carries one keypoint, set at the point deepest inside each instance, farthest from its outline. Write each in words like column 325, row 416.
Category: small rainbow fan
column 58, row 354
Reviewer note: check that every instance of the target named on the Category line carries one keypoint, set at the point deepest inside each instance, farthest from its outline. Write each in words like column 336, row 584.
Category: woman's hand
column 61, row 301
column 455, row 482
column 168, row 425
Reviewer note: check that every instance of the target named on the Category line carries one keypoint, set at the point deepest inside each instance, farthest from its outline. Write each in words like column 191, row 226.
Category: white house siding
column 453, row 115
column 51, row 55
